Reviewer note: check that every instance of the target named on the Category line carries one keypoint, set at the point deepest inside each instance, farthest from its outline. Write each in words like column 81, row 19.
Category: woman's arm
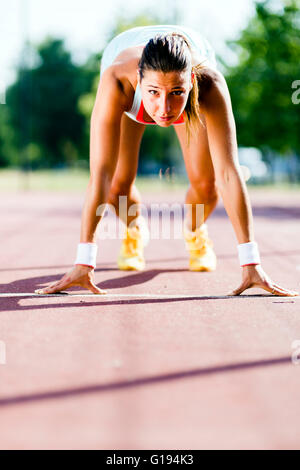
column 221, row 131
column 222, row 140
column 104, row 148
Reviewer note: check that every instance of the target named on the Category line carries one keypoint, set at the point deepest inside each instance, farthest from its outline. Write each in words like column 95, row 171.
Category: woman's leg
column 131, row 256
column 202, row 191
column 200, row 171
column 125, row 174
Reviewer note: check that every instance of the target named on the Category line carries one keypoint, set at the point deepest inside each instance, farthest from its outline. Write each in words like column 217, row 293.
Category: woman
column 164, row 75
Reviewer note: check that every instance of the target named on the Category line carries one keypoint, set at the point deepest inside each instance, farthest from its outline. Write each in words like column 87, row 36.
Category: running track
column 166, row 360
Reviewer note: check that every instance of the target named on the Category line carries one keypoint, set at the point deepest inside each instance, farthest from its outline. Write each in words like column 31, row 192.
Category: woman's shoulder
column 209, row 78
column 214, row 94
column 124, row 69
column 116, row 82
column 126, row 63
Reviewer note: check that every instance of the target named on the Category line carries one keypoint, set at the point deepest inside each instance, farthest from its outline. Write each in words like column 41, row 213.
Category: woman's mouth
column 168, row 118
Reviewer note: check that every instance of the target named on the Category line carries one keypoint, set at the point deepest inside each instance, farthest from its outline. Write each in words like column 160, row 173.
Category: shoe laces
column 132, row 242
column 199, row 243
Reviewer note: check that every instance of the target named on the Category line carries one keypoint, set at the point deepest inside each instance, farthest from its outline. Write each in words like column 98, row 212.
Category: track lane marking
column 151, row 296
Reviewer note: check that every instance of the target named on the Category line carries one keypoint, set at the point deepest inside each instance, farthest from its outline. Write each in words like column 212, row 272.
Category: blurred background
column 49, row 73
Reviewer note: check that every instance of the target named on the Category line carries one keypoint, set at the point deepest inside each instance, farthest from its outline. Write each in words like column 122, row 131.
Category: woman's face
column 165, row 95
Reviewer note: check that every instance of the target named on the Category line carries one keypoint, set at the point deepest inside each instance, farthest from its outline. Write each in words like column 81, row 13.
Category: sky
column 85, row 24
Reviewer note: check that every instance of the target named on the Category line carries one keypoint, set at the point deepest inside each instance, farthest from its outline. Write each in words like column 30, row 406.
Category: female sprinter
column 164, row 75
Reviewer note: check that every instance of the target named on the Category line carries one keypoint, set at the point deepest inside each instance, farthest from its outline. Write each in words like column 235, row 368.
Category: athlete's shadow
column 136, row 278
column 132, row 279
column 126, row 279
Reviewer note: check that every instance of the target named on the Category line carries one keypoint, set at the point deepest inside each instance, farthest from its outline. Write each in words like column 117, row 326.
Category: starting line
column 148, row 296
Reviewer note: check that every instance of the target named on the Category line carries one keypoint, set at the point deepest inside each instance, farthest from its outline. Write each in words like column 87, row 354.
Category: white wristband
column 248, row 253
column 87, row 254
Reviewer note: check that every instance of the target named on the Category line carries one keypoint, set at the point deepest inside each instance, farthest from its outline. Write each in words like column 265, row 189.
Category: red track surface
column 147, row 373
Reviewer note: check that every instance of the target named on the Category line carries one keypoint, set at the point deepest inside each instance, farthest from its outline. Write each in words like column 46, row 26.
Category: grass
column 72, row 180
column 45, row 180
column 76, row 180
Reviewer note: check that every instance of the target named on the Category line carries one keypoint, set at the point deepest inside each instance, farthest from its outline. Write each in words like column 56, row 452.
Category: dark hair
column 172, row 52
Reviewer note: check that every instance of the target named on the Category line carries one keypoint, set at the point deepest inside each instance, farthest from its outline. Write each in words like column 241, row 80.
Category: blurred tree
column 43, row 107
column 3, row 160
column 46, row 121
column 268, row 53
column 8, row 142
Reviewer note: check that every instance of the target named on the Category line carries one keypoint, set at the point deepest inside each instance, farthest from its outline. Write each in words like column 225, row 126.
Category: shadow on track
column 142, row 381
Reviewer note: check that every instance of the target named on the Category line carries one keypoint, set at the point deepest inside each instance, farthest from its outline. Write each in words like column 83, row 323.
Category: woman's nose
column 164, row 107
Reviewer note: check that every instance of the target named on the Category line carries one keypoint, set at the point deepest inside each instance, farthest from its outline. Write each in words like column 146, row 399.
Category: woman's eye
column 178, row 92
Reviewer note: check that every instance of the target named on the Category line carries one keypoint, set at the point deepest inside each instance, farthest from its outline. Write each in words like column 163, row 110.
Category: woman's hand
column 79, row 275
column 254, row 276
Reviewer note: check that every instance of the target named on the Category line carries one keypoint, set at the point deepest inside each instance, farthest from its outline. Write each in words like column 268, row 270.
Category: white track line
column 138, row 296
column 150, row 296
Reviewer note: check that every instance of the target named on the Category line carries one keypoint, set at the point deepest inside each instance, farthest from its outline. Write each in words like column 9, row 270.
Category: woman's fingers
column 90, row 284
column 56, row 286
column 53, row 284
column 97, row 290
column 277, row 290
column 240, row 289
column 66, row 282
column 272, row 288
column 52, row 289
column 59, row 288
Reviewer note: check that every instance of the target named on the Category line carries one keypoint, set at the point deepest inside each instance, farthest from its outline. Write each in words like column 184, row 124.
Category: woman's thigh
column 197, row 157
column 130, row 142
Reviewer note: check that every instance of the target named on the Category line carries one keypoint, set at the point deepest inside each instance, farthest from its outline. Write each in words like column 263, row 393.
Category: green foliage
column 268, row 53
column 45, row 122
column 43, row 108
column 3, row 157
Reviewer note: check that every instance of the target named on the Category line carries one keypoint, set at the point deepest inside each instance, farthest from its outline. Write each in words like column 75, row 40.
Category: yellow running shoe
column 200, row 247
column 131, row 257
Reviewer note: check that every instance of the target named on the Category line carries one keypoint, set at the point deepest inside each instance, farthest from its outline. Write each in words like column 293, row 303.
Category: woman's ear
column 192, row 81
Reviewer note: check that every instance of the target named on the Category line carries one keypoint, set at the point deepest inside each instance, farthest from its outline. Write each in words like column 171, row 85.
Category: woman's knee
column 205, row 188
column 120, row 188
